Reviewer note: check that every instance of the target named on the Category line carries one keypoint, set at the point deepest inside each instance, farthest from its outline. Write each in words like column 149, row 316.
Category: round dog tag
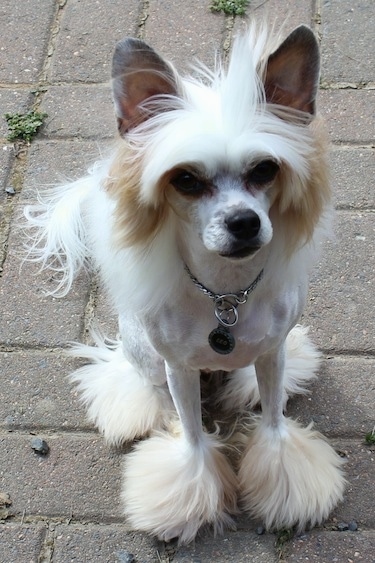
column 221, row 340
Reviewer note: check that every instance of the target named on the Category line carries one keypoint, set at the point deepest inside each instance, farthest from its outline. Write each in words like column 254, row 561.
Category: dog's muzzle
column 244, row 226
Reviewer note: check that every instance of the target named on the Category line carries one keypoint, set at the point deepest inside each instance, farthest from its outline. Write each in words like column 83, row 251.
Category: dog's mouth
column 244, row 252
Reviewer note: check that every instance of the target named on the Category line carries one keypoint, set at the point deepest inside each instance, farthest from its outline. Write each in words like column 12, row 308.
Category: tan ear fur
column 136, row 223
column 302, row 209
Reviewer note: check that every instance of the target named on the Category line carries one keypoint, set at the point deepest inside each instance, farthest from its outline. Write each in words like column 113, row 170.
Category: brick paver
column 353, row 173
column 199, row 37
column 88, row 31
column 78, row 479
column 103, row 544
column 347, row 32
column 348, row 115
column 36, row 394
column 66, row 506
column 333, row 547
column 78, row 111
column 21, row 542
column 29, row 316
column 25, row 31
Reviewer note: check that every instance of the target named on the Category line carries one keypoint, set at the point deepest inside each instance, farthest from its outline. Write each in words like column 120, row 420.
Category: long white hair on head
column 218, row 118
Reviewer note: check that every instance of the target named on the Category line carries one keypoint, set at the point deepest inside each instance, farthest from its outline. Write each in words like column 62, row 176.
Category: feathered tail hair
column 56, row 232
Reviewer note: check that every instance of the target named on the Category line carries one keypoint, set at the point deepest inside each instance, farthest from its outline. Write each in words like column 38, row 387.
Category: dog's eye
column 263, row 173
column 187, row 183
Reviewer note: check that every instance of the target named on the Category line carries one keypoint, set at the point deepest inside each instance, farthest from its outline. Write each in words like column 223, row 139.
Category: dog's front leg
column 184, row 387
column 176, row 481
column 270, row 376
column 289, row 475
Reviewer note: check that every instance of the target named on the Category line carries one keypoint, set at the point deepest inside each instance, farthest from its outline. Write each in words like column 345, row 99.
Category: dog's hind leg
column 120, row 399
column 288, row 475
column 177, row 481
column 302, row 361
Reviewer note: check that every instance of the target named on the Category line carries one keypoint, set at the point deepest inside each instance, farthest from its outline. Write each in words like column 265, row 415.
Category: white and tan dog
column 204, row 225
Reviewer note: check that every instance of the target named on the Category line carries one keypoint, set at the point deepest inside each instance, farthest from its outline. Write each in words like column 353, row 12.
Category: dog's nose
column 243, row 224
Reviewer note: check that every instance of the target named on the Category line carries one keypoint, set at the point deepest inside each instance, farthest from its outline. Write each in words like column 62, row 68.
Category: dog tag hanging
column 221, row 340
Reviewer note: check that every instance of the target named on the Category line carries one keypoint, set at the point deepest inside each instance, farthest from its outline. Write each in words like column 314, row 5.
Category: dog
column 204, row 224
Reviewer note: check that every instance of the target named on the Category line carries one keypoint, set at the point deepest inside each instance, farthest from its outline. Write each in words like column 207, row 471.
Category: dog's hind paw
column 301, row 364
column 302, row 361
column 290, row 476
column 119, row 401
column 172, row 488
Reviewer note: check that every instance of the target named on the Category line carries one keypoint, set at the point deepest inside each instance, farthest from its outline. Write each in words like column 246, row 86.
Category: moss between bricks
column 24, row 126
column 230, row 7
column 370, row 437
column 282, row 540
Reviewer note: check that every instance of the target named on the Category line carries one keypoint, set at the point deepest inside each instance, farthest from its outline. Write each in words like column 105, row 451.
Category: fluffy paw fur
column 172, row 488
column 290, row 476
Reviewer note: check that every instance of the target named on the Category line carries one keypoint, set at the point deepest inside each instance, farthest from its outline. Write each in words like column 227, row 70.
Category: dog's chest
column 181, row 335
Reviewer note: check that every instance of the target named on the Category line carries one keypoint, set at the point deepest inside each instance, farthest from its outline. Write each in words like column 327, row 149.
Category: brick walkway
column 55, row 55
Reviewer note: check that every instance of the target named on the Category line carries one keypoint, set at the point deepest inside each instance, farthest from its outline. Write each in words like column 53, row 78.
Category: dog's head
column 223, row 158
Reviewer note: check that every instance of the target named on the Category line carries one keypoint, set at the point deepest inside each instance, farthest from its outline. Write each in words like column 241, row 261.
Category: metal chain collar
column 226, row 303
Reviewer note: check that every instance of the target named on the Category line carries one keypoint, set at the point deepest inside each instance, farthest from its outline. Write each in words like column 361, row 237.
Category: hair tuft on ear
column 138, row 74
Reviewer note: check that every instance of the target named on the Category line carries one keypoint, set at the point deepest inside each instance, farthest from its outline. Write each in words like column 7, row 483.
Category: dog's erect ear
column 292, row 74
column 138, row 74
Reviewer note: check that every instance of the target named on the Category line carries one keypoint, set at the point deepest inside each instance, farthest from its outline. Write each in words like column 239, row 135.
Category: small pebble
column 125, row 557
column 353, row 526
column 342, row 527
column 10, row 190
column 5, row 499
column 40, row 446
column 10, row 420
column 260, row 530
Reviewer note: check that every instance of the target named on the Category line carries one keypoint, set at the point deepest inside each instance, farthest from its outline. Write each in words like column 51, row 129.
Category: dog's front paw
column 290, row 476
column 172, row 488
